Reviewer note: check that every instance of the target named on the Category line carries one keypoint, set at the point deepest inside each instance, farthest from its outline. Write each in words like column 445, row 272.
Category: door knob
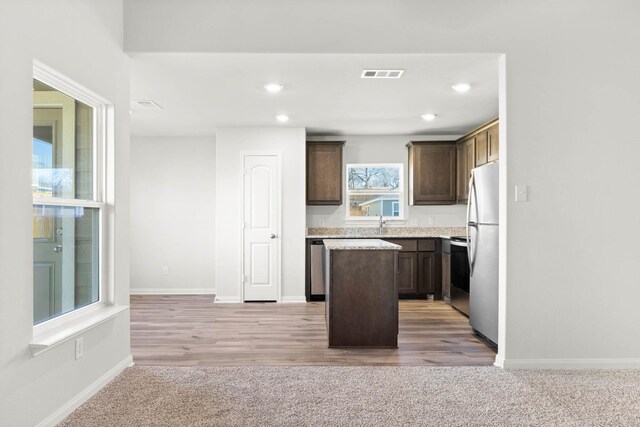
column 57, row 249
column 273, row 236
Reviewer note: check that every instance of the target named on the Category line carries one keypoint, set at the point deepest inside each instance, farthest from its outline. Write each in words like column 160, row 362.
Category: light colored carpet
column 362, row 396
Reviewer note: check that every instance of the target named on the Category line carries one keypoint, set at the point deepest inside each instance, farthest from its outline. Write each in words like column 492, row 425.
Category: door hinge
column 245, row 279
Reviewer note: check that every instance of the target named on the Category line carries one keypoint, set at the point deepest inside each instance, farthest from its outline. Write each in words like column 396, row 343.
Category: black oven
column 459, row 275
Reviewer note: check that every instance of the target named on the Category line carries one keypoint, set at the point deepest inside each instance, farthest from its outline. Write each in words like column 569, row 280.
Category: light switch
column 522, row 193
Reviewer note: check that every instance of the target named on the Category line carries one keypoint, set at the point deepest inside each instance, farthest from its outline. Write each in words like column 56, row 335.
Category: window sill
column 47, row 340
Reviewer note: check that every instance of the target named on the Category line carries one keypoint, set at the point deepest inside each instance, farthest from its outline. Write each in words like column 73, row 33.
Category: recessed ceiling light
column 282, row 118
column 273, row 87
column 461, row 87
column 428, row 117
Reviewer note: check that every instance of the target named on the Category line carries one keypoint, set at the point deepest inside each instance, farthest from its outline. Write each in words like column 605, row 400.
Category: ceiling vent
column 148, row 104
column 381, row 74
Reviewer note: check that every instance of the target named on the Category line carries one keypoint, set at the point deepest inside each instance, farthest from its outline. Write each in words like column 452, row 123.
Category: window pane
column 62, row 159
column 65, row 260
column 374, row 205
column 373, row 178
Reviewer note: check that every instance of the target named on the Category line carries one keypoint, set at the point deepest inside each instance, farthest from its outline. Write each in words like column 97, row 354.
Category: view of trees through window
column 373, row 178
column 374, row 190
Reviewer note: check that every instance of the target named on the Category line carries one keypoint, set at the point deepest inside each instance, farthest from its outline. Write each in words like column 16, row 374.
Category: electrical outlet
column 321, row 222
column 165, row 270
column 431, row 220
column 79, row 348
column 415, row 222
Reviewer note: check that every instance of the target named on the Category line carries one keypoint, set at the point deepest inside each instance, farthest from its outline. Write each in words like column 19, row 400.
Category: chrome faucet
column 382, row 223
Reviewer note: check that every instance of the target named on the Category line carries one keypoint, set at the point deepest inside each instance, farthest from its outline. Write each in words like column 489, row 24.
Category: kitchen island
column 361, row 292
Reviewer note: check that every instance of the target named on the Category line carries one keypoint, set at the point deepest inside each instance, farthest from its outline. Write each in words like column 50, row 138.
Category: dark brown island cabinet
column 476, row 148
column 324, row 173
column 432, row 172
column 361, row 293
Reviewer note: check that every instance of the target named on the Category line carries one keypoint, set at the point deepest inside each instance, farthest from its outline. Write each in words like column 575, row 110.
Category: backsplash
column 416, row 216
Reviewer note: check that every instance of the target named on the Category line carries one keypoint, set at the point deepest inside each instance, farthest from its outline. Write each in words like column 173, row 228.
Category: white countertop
column 360, row 245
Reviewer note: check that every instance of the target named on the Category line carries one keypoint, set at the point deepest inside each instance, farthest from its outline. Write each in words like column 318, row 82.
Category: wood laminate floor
column 192, row 330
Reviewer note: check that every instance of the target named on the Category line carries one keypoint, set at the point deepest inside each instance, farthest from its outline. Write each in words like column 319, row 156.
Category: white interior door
column 261, row 215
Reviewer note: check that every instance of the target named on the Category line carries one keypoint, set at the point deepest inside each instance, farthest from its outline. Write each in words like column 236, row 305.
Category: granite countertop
column 387, row 232
column 360, row 245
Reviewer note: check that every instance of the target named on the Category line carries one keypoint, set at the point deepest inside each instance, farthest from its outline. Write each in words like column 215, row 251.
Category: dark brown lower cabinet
column 418, row 268
column 407, row 273
column 427, row 274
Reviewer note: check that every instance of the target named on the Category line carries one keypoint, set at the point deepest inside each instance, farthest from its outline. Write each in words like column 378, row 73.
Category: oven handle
column 455, row 243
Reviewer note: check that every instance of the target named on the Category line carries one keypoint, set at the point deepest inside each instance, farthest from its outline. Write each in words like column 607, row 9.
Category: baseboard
column 236, row 300
column 85, row 394
column 294, row 299
column 499, row 362
column 568, row 363
column 223, row 300
column 172, row 291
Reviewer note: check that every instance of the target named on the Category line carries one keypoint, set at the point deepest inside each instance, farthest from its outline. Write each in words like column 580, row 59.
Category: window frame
column 103, row 125
column 400, row 192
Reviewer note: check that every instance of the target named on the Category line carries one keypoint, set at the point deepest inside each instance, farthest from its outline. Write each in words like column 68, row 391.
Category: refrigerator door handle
column 472, row 194
column 471, row 253
column 469, row 203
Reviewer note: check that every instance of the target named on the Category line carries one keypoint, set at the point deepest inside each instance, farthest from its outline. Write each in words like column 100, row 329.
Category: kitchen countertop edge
column 360, row 245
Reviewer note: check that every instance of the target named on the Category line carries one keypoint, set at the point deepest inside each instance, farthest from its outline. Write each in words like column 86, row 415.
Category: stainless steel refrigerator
column 482, row 233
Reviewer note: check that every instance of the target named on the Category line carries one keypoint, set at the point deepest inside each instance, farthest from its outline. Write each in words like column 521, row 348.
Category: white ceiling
column 322, row 92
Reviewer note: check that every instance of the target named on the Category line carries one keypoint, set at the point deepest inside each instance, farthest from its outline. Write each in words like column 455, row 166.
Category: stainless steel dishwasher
column 317, row 269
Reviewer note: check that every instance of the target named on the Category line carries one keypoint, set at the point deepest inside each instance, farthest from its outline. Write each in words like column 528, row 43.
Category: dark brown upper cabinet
column 324, row 172
column 476, row 148
column 465, row 162
column 432, row 172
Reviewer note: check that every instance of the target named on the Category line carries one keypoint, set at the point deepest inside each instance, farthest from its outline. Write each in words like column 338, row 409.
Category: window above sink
column 374, row 190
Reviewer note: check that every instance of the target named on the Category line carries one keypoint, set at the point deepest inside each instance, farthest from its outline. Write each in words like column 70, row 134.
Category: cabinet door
column 461, row 167
column 493, row 143
column 324, row 173
column 482, row 148
column 427, row 273
column 466, row 162
column 432, row 174
column 407, row 273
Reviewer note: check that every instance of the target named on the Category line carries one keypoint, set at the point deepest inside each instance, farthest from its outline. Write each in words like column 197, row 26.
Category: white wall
column 173, row 215
column 385, row 149
column 571, row 106
column 81, row 40
column 230, row 143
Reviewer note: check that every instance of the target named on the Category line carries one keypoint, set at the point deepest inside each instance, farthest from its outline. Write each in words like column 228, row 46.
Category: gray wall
column 172, row 213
